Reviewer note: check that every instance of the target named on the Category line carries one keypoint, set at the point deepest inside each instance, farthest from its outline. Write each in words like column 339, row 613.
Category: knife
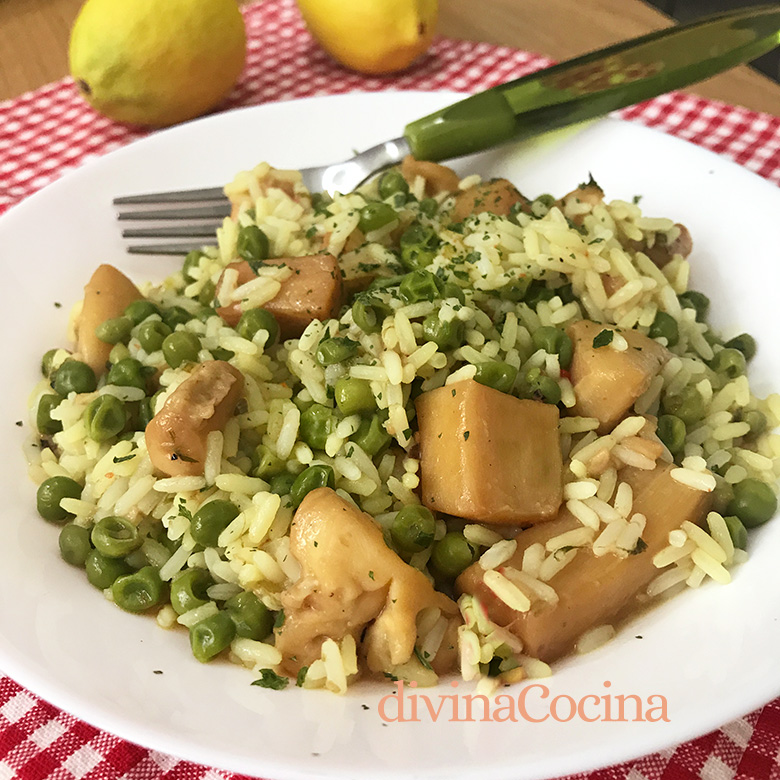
column 596, row 83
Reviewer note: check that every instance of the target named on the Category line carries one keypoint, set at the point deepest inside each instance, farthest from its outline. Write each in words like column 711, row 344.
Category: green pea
column 542, row 204
column 221, row 354
column 336, row 350
column 316, row 424
column 754, row 502
column 191, row 262
column 321, row 202
column 376, row 215
column 211, row 520
column 688, row 405
column 538, row 291
column 566, row 293
column 371, row 436
column 74, row 544
column 145, row 413
column 188, row 590
column 43, row 419
column 729, row 363
column 698, row 301
column 446, row 335
column 419, row 245
column 384, row 283
column 755, row 419
column 176, row 315
column 211, row 636
column 47, row 361
column 206, row 298
column 139, row 310
column 452, row 554
column 258, row 319
column 737, row 532
column 671, row 431
column 543, row 387
column 429, row 207
column 554, row 341
column 310, row 479
column 282, row 484
column 250, row 616
column 252, row 244
column 516, row 290
column 722, row 496
column 128, row 373
column 103, row 571
column 665, row 326
column 712, row 338
column 180, row 347
column 139, row 591
column 452, row 290
column 49, row 495
column 745, row 343
column 498, row 375
column 151, row 335
column 419, row 286
column 105, row 417
column 115, row 536
column 391, row 183
column 118, row 352
column 353, row 396
column 413, row 528
column 73, row 376
column 265, row 464
column 369, row 314
column 115, row 330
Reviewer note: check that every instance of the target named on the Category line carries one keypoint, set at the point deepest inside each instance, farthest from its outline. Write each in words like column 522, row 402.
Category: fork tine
column 176, row 196
column 165, row 249
column 201, row 212
column 174, row 231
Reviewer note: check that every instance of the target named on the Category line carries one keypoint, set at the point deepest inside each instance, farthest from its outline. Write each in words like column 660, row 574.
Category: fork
column 339, row 177
column 574, row 91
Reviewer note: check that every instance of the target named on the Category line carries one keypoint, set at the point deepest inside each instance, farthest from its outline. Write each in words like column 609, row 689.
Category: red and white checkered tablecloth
column 44, row 134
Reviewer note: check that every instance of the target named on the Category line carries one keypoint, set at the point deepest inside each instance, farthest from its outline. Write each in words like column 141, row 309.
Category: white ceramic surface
column 711, row 653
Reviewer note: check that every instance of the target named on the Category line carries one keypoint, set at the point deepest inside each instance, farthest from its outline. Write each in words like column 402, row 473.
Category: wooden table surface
column 34, row 39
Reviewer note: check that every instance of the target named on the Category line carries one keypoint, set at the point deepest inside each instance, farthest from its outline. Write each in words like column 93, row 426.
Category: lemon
column 156, row 62
column 372, row 36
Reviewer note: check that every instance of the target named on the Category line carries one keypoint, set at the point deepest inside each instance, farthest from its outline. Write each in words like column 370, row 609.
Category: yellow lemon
column 372, row 36
column 156, row 62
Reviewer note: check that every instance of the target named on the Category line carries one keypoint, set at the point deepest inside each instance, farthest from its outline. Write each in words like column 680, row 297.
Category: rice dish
column 314, row 447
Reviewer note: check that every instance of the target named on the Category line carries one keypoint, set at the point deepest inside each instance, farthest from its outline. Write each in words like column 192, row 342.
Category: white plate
column 711, row 653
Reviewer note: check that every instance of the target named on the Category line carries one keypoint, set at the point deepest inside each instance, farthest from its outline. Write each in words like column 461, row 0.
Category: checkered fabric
column 44, row 134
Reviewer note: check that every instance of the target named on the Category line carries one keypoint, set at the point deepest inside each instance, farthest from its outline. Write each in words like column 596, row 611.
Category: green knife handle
column 627, row 72
column 471, row 125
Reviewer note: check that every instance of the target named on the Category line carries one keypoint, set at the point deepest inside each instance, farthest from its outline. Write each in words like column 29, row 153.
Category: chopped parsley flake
column 183, row 511
column 270, row 679
column 641, row 546
column 301, row 676
column 422, row 658
column 127, row 457
column 603, row 339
